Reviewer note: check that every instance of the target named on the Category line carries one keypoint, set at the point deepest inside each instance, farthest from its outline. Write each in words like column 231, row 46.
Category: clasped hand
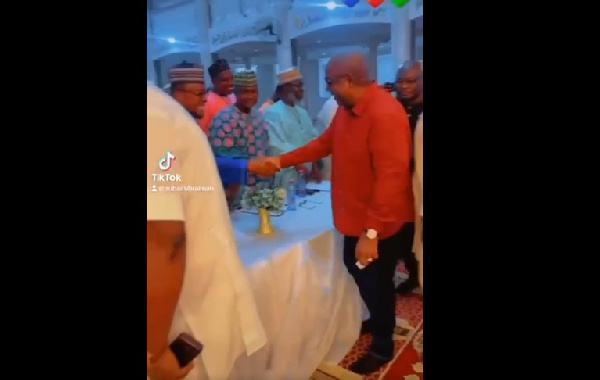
column 265, row 167
column 366, row 250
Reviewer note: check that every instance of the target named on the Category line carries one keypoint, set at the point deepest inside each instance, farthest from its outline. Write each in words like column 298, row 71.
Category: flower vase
column 264, row 222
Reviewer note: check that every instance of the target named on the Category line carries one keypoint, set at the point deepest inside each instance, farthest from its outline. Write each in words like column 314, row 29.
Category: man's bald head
column 414, row 66
column 348, row 77
column 409, row 82
column 353, row 65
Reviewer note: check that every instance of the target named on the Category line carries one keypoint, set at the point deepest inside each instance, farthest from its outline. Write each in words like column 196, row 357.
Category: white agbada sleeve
column 160, row 205
column 216, row 301
column 326, row 114
column 216, row 304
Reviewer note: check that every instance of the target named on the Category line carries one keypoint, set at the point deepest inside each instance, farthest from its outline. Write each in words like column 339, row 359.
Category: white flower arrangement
column 271, row 199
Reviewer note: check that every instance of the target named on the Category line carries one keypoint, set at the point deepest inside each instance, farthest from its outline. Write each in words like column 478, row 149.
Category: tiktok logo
column 166, row 162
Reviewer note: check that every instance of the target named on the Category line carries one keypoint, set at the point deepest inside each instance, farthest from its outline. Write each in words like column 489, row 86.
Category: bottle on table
column 301, row 186
column 291, row 195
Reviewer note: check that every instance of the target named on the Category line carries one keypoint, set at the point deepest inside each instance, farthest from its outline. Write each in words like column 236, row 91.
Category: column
column 203, row 25
column 401, row 35
column 248, row 63
column 372, row 56
column 266, row 82
column 150, row 73
column 295, row 55
column 284, row 48
column 309, row 68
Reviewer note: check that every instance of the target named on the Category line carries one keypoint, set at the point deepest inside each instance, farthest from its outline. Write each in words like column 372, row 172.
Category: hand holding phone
column 166, row 367
column 185, row 348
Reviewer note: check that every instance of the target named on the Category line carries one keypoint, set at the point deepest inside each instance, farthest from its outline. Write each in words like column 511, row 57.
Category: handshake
column 264, row 167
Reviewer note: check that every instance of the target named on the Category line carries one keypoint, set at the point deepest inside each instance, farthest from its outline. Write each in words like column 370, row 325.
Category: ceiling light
column 171, row 40
column 331, row 5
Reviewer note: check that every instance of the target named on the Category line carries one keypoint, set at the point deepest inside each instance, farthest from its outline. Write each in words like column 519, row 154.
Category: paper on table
column 323, row 186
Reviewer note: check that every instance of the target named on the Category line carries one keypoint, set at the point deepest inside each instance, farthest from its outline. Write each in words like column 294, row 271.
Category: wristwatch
column 371, row 234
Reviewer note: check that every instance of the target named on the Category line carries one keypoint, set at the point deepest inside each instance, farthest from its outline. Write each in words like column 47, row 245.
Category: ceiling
column 177, row 21
column 339, row 35
column 253, row 49
column 156, row 5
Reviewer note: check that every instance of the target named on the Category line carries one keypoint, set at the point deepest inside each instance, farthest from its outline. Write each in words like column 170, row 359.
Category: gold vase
column 264, row 222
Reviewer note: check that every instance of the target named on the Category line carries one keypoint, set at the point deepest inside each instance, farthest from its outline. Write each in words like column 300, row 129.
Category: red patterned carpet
column 409, row 365
column 409, row 317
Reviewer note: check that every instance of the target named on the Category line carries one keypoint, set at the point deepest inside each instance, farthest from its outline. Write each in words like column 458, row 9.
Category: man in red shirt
column 370, row 143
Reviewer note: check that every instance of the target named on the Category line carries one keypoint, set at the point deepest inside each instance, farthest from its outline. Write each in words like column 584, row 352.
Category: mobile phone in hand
column 185, row 348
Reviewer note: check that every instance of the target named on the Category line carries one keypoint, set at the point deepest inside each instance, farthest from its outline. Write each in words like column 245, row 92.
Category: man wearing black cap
column 187, row 87
column 221, row 95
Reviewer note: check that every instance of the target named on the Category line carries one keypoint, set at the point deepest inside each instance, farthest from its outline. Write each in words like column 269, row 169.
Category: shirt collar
column 361, row 106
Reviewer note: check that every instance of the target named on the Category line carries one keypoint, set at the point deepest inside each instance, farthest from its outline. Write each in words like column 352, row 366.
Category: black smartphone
column 185, row 348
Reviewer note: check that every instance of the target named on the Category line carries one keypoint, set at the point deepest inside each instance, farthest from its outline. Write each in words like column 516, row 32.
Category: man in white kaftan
column 324, row 119
column 216, row 305
column 325, row 116
column 290, row 126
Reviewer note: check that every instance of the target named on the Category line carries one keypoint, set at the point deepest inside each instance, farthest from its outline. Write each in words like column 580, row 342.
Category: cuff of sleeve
column 286, row 161
column 373, row 224
column 233, row 171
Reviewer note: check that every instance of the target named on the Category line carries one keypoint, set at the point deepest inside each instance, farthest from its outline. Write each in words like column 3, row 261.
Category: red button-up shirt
column 371, row 186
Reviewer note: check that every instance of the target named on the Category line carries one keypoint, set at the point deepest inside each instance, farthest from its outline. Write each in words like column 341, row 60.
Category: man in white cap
column 196, row 281
column 290, row 127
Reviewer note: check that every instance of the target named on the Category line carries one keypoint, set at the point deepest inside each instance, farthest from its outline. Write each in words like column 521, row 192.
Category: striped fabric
column 245, row 79
column 289, row 76
column 186, row 72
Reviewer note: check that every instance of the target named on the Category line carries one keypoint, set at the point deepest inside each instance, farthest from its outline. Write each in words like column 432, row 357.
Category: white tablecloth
column 309, row 305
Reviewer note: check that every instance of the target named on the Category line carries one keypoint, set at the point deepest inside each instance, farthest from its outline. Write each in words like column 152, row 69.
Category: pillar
column 203, row 25
column 248, row 63
column 150, row 72
column 312, row 102
column 372, row 56
column 284, row 48
column 266, row 82
column 401, row 35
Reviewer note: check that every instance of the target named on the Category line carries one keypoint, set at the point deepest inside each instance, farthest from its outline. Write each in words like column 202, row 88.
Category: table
column 308, row 303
